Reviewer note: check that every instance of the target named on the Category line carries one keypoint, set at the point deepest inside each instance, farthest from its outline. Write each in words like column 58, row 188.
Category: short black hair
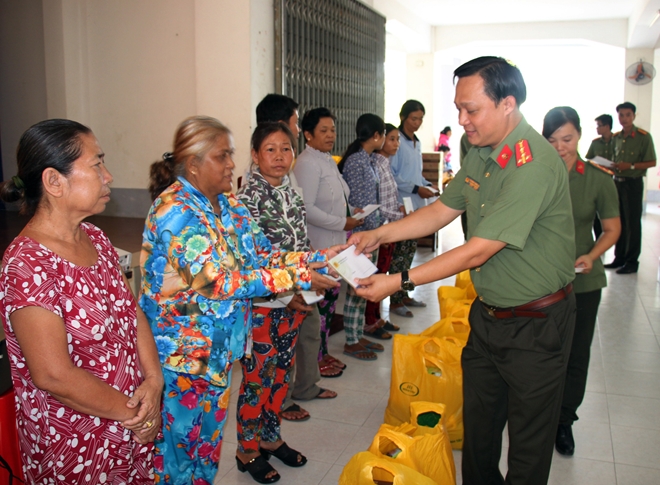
column 312, row 118
column 275, row 107
column 410, row 106
column 501, row 78
column 627, row 105
column 605, row 120
column 558, row 117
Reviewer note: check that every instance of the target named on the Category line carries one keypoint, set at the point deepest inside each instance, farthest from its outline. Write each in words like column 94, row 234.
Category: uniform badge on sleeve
column 504, row 156
column 523, row 153
column 472, row 183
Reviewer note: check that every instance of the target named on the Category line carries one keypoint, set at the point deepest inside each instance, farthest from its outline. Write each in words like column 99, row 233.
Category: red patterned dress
column 58, row 444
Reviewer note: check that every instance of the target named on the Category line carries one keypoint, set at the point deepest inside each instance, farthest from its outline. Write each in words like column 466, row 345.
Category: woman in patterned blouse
column 203, row 260
column 359, row 169
column 78, row 344
column 280, row 212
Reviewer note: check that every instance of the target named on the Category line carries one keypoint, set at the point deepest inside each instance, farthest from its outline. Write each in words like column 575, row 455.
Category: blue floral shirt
column 200, row 271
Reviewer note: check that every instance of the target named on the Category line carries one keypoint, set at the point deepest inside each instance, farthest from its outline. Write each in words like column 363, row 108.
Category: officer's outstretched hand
column 365, row 242
column 378, row 287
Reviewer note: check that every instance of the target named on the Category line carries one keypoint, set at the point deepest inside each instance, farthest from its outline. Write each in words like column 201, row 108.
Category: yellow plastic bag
column 367, row 469
column 427, row 369
column 423, row 444
column 448, row 296
column 464, row 281
column 458, row 328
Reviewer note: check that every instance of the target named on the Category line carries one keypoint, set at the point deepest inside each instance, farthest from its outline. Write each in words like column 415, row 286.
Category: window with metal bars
column 331, row 53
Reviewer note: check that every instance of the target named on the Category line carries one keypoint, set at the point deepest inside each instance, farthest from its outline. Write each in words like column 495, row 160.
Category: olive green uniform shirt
column 592, row 191
column 528, row 208
column 636, row 147
column 601, row 148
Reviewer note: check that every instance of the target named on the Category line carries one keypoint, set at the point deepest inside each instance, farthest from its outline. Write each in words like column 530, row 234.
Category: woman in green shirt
column 592, row 192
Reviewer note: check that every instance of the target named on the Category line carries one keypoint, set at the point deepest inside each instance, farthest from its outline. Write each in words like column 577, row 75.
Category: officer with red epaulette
column 521, row 251
column 633, row 154
column 603, row 146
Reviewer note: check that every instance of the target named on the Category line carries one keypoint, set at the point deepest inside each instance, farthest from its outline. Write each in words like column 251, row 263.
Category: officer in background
column 603, row 146
column 521, row 252
column 633, row 154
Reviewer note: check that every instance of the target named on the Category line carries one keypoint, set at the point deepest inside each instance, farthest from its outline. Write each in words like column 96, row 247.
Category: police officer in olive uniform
column 633, row 154
column 603, row 146
column 521, row 251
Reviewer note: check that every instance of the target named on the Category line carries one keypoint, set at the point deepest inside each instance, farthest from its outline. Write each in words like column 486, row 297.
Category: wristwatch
column 406, row 283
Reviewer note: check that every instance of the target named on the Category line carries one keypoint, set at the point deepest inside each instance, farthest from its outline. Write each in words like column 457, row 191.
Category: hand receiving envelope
column 352, row 266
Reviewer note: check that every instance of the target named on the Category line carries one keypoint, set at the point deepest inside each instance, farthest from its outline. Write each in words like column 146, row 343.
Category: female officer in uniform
column 592, row 192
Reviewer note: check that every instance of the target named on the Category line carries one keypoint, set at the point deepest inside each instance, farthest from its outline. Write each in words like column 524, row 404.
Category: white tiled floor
column 617, row 436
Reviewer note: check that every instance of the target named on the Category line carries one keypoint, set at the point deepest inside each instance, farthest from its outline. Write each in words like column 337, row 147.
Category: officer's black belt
column 531, row 309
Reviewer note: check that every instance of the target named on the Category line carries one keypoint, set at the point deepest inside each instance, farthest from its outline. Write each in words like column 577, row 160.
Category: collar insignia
column 504, row 156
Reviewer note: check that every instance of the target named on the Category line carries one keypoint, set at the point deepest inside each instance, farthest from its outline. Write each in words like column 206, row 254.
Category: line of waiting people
column 92, row 368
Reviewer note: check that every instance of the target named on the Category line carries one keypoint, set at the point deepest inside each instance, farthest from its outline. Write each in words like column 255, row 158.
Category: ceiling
column 465, row 12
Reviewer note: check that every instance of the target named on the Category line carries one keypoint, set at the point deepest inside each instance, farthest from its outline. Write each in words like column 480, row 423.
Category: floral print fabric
column 200, row 271
column 361, row 176
column 266, row 376
column 61, row 445
column 194, row 416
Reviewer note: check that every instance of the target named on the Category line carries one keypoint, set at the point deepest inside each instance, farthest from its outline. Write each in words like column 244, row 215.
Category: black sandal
column 378, row 333
column 287, row 455
column 258, row 468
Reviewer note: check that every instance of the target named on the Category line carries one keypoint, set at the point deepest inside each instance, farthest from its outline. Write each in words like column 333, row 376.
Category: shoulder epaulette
column 643, row 132
column 523, row 153
column 601, row 168
column 596, row 139
column 616, row 134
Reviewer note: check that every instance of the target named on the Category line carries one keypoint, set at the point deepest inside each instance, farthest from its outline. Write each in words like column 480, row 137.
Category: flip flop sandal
column 258, row 468
column 286, row 455
column 373, row 346
column 330, row 370
column 390, row 327
column 378, row 333
column 294, row 408
column 321, row 391
column 402, row 311
column 414, row 303
column 336, row 362
column 364, row 354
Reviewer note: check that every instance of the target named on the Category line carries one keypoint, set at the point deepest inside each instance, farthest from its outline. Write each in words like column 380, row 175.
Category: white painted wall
column 132, row 71
column 613, row 32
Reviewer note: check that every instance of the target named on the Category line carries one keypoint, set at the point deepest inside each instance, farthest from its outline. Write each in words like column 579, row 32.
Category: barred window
column 331, row 53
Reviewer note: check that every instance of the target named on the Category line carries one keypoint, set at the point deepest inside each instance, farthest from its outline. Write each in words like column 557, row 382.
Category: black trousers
column 514, row 371
column 578, row 363
column 631, row 196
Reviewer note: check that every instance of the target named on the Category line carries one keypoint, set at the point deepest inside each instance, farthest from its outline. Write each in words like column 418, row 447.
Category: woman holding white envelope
column 360, row 171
